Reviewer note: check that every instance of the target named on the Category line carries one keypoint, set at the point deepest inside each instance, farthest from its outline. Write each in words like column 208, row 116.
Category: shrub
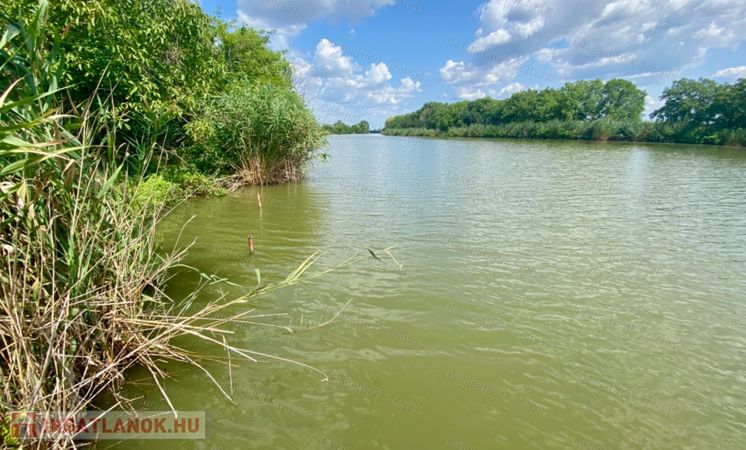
column 81, row 283
column 199, row 185
column 265, row 132
column 156, row 191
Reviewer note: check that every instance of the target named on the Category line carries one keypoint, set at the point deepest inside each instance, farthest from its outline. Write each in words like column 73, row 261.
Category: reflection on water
column 536, row 295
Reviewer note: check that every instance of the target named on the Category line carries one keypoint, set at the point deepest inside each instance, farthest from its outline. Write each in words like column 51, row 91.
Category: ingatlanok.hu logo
column 110, row 425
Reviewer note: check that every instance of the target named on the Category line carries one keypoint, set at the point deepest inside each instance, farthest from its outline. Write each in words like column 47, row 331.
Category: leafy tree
column 729, row 108
column 156, row 55
column 520, row 106
column 694, row 105
column 362, row 128
column 622, row 100
column 248, row 57
column 482, row 111
column 581, row 100
column 158, row 66
column 689, row 101
column 339, row 127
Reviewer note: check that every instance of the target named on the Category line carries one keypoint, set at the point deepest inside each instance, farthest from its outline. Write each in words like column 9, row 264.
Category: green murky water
column 550, row 295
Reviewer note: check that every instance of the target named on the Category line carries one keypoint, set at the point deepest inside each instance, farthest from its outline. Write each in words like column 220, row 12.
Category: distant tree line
column 362, row 127
column 694, row 111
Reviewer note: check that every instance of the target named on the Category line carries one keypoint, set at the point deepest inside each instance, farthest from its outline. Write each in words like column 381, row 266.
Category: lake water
column 534, row 295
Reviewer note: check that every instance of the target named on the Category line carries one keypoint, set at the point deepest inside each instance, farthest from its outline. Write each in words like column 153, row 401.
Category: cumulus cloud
column 378, row 74
column 463, row 74
column 653, row 40
column 338, row 88
column 287, row 18
column 469, row 93
column 734, row 73
column 511, row 89
column 329, row 60
column 466, row 93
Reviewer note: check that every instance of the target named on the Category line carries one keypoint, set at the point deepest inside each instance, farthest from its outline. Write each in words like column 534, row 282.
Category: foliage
column 694, row 112
column 154, row 57
column 264, row 131
column 156, row 64
column 622, row 100
column 582, row 100
column 705, row 110
column 601, row 129
column 160, row 190
column 362, row 127
column 156, row 191
column 81, row 284
column 249, row 59
column 197, row 184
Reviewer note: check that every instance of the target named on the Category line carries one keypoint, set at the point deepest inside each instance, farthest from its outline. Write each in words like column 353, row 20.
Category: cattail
column 251, row 243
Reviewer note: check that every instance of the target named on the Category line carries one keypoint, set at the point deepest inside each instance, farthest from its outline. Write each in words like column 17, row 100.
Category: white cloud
column 337, row 88
column 653, row 40
column 497, row 37
column 732, row 73
column 662, row 37
column 378, row 74
column 546, row 54
column 454, row 71
column 511, row 89
column 468, row 74
column 329, row 60
column 465, row 93
column 472, row 81
column 289, row 17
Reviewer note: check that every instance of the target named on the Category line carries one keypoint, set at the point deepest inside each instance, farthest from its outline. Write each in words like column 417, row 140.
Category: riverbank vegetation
column 110, row 111
column 694, row 111
column 164, row 68
column 339, row 127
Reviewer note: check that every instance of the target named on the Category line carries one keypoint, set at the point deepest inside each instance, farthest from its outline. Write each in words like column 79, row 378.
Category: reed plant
column 82, row 277
column 259, row 133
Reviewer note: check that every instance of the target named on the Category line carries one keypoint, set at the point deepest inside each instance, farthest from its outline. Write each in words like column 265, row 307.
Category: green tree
column 363, row 127
column 521, row 106
column 248, row 57
column 339, row 127
column 581, row 100
column 622, row 100
column 689, row 101
column 729, row 107
column 692, row 105
column 156, row 55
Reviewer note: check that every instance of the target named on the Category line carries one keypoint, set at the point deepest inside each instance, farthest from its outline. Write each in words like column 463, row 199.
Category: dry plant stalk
column 81, row 282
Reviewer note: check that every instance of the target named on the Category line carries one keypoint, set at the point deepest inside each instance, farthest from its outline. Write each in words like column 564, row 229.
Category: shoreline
column 440, row 135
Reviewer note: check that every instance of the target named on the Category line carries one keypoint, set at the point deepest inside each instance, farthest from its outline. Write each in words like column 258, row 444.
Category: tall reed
column 81, row 279
column 261, row 133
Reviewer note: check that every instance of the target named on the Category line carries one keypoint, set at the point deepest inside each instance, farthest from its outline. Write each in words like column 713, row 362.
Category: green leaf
column 14, row 167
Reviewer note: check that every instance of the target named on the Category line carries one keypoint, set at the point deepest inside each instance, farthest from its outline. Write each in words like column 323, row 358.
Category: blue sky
column 370, row 59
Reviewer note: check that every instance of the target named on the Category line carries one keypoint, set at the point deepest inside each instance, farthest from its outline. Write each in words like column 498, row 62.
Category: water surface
column 536, row 295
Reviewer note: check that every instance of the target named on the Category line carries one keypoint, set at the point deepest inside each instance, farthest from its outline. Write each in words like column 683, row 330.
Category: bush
column 199, row 185
column 156, row 191
column 82, row 280
column 265, row 132
column 733, row 137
